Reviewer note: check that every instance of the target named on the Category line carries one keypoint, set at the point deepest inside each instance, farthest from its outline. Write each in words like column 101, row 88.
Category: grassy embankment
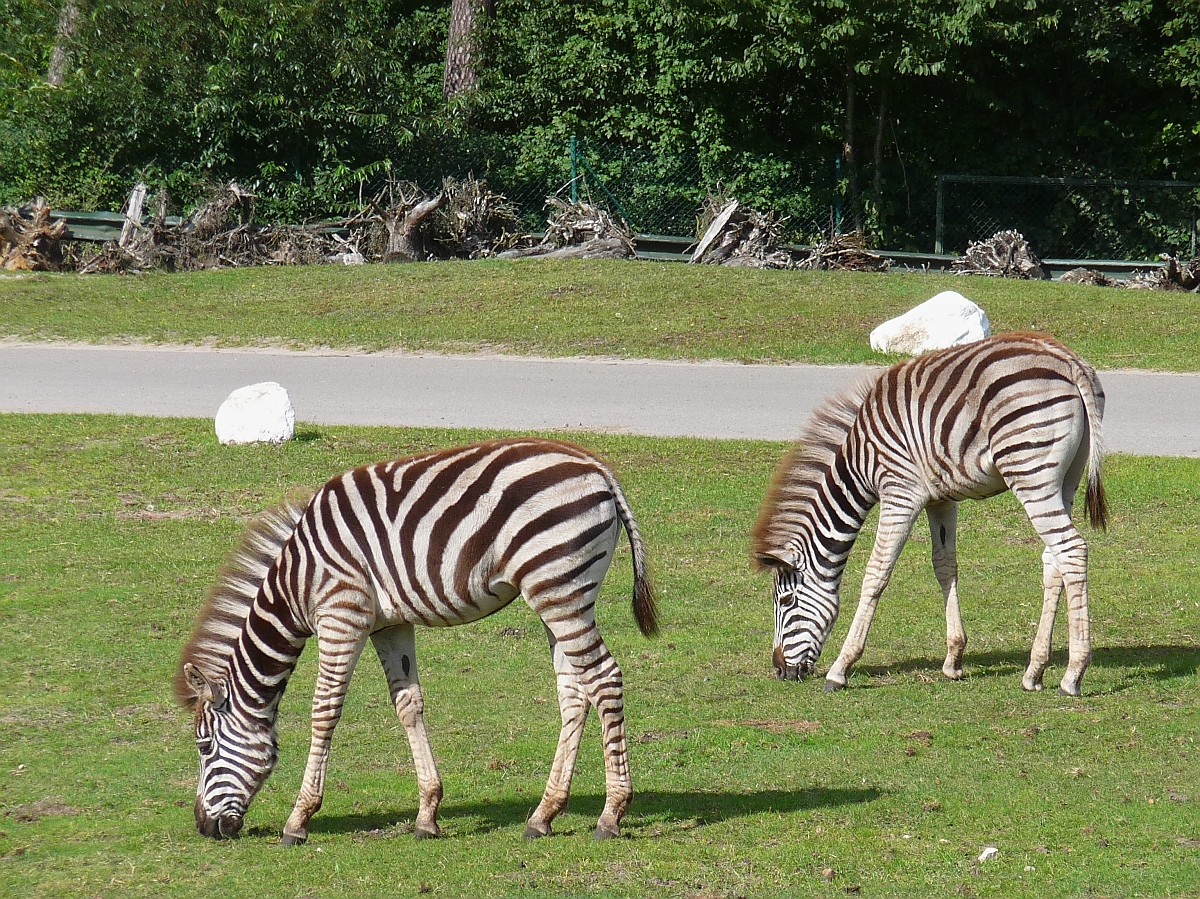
column 645, row 309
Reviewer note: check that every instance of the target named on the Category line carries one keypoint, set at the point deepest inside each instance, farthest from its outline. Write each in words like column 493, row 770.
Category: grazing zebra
column 1016, row 412
column 437, row 539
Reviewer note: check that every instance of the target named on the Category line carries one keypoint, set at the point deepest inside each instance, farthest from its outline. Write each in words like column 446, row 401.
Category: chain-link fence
column 1071, row 218
column 655, row 191
column 661, row 192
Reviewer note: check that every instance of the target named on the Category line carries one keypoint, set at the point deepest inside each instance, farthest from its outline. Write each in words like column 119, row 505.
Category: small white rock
column 989, row 853
column 259, row 413
column 947, row 319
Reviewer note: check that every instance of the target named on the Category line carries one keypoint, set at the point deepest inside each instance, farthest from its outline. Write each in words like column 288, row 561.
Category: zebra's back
column 448, row 537
column 963, row 418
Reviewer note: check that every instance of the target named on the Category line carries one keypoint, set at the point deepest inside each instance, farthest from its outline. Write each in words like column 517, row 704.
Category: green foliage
column 310, row 102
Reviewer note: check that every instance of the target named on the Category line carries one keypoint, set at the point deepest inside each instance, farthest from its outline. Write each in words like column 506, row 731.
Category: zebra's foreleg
column 895, row 523
column 1039, row 656
column 943, row 523
column 574, row 705
column 397, row 652
column 340, row 641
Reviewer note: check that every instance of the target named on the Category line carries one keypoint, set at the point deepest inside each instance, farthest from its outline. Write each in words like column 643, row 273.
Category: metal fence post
column 574, row 171
column 939, row 231
column 837, row 195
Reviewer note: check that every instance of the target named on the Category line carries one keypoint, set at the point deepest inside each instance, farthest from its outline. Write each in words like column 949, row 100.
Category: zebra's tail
column 645, row 607
column 1092, row 393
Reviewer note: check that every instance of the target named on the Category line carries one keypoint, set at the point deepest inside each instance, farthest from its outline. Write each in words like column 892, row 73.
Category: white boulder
column 260, row 413
column 948, row 319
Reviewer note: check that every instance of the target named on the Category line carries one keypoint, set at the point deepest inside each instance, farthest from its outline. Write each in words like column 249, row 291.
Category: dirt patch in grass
column 33, row 812
column 777, row 726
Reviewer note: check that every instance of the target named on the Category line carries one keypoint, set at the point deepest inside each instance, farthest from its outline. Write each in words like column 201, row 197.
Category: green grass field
column 543, row 307
column 112, row 528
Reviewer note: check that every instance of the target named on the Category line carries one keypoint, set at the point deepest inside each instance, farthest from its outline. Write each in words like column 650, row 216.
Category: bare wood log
column 405, row 239
column 133, row 215
column 714, row 229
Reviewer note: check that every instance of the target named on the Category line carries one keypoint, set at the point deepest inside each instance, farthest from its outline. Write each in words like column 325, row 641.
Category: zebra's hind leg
column 1069, row 553
column 599, row 676
column 574, row 705
column 1039, row 656
column 943, row 523
column 397, row 651
column 340, row 640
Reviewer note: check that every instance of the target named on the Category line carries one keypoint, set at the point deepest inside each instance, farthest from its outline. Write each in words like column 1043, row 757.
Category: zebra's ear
column 779, row 561
column 206, row 690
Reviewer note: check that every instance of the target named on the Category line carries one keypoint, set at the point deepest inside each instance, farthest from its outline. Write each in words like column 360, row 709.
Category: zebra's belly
column 446, row 611
column 978, row 483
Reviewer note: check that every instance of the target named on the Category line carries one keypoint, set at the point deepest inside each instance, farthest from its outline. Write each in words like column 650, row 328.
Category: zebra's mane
column 801, row 471
column 219, row 623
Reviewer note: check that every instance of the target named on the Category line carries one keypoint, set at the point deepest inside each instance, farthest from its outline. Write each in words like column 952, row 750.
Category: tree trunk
column 848, row 152
column 877, row 169
column 68, row 25
column 462, row 46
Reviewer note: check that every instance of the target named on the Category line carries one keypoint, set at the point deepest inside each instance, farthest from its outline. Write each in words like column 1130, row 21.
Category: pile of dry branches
column 218, row 234
column 29, row 240
column 734, row 236
column 844, row 253
column 1006, row 254
column 475, row 222
column 400, row 224
column 1174, row 275
column 578, row 230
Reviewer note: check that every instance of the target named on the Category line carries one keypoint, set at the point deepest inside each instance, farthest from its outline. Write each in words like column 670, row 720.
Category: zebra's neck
column 266, row 651
column 836, row 510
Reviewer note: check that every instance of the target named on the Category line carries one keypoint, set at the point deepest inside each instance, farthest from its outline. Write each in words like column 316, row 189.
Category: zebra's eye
column 204, row 745
column 787, row 600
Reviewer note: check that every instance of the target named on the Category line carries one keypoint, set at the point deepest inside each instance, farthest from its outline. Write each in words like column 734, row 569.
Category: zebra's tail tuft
column 1092, row 393
column 1097, row 502
column 645, row 605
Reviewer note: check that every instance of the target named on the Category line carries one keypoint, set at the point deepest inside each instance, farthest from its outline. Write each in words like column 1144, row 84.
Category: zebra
column 1016, row 412
column 437, row 539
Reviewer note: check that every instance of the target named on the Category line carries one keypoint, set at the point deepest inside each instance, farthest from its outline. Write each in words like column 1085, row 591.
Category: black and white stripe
column 1016, row 412
column 438, row 539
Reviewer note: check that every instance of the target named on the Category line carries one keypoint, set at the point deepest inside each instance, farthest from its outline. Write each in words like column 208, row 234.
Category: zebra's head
column 237, row 755
column 805, row 611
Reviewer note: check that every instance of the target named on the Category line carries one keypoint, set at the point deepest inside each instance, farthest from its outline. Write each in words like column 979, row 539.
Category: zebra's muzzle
column 218, row 827
column 784, row 671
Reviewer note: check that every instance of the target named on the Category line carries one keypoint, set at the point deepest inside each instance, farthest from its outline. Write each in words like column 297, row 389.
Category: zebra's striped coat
column 438, row 539
column 1016, row 412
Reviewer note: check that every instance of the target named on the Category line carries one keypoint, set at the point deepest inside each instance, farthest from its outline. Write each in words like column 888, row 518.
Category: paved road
column 1148, row 414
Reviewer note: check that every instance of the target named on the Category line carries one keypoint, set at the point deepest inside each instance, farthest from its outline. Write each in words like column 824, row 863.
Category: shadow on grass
column 652, row 811
column 1157, row 663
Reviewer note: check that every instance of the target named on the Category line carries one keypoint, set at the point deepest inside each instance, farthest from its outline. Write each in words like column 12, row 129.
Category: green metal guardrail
column 105, row 226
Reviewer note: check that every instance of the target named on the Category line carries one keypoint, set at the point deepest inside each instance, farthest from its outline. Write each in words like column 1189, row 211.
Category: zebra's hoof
column 293, row 839
column 832, row 686
column 536, row 831
column 421, row 832
column 1063, row 691
column 604, row 832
